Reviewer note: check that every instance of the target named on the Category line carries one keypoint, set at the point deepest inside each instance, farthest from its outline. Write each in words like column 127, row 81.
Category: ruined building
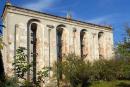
column 48, row 37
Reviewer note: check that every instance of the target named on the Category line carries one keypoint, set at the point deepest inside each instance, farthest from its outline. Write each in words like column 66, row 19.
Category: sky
column 104, row 12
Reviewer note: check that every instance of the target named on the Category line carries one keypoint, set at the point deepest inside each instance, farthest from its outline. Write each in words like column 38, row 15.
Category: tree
column 75, row 72
column 123, row 49
column 21, row 67
column 123, row 52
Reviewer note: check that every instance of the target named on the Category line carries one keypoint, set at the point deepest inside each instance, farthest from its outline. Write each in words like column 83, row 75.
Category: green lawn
column 121, row 83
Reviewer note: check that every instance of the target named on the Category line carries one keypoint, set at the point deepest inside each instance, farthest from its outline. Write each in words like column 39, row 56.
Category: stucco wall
column 17, row 17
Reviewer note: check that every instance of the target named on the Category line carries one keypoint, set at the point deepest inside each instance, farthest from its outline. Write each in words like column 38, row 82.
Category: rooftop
column 64, row 18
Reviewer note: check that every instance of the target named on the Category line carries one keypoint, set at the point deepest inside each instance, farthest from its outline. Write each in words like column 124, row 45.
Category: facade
column 48, row 37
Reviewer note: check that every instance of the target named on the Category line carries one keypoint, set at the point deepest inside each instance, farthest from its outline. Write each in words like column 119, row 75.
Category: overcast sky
column 110, row 12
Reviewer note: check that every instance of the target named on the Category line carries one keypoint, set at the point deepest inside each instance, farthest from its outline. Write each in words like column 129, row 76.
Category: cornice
column 4, row 12
column 19, row 9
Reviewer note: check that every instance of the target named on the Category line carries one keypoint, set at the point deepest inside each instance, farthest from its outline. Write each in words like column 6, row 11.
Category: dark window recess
column 33, row 47
column 82, row 45
column 59, row 33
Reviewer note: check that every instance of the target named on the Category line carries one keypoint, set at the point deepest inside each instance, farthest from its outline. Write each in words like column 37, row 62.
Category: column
column 50, row 27
column 95, row 52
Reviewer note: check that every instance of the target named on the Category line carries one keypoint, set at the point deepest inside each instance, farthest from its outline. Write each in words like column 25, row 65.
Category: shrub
column 124, row 69
column 79, row 73
column 9, row 82
column 21, row 67
column 75, row 70
column 104, row 70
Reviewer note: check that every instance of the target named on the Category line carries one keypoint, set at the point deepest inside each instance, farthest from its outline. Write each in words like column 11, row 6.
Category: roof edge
column 4, row 9
column 74, row 20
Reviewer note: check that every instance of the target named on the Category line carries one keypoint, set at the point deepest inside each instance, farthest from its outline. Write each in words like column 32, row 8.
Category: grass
column 121, row 83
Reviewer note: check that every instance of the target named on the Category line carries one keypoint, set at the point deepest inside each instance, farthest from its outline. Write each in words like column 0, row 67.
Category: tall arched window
column 83, row 44
column 74, row 39
column 100, row 42
column 31, row 47
column 60, row 41
column 33, row 40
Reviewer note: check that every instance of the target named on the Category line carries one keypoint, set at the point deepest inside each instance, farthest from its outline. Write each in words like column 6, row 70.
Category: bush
column 21, row 67
column 124, row 69
column 79, row 73
column 9, row 82
column 74, row 70
column 104, row 70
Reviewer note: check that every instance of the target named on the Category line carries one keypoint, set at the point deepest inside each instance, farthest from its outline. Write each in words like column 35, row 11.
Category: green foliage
column 124, row 69
column 101, row 68
column 41, row 75
column 80, row 73
column 123, row 49
column 1, row 43
column 21, row 65
column 74, row 70
column 9, row 82
column 115, row 83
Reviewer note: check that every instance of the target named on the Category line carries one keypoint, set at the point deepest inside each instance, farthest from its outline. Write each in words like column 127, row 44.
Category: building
column 48, row 37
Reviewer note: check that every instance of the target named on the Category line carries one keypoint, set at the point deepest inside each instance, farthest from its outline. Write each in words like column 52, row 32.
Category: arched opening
column 60, row 41
column 33, row 40
column 100, row 43
column 83, row 44
column 74, row 40
column 32, row 26
column 60, row 47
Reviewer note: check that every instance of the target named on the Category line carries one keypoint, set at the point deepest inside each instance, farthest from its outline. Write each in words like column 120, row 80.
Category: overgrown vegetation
column 21, row 67
column 80, row 74
column 123, row 48
column 115, row 83
column 74, row 72
column 9, row 82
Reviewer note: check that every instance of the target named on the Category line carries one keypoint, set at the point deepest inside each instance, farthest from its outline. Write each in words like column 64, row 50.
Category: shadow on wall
column 2, row 73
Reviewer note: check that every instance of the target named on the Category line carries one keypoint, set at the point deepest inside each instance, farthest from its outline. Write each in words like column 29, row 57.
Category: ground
column 121, row 83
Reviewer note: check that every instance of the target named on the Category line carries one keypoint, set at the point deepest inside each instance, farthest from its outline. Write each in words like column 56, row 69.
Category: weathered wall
column 21, row 18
